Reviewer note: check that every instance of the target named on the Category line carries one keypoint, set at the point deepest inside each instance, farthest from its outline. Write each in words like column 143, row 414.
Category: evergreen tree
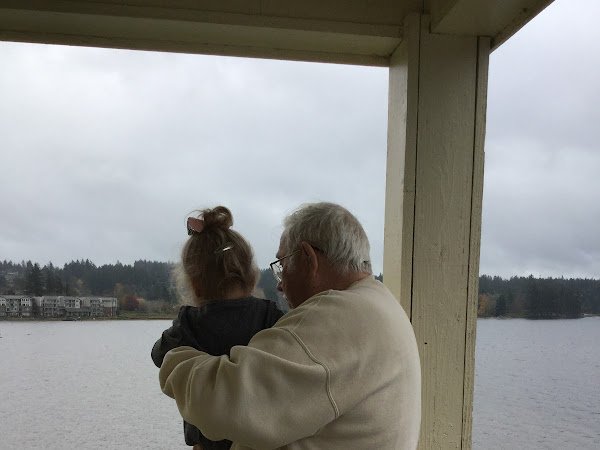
column 35, row 309
column 49, row 281
column 34, row 283
column 268, row 284
column 501, row 306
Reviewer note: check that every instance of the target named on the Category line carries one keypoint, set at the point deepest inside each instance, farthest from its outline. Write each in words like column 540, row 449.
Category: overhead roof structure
column 437, row 52
column 362, row 32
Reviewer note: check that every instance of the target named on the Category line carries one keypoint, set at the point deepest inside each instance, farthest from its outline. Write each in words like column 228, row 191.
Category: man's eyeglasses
column 277, row 267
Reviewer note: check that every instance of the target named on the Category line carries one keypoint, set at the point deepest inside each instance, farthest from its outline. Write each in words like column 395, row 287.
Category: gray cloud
column 118, row 147
column 104, row 152
column 542, row 159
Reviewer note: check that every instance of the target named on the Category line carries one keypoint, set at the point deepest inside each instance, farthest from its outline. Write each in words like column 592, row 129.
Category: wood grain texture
column 401, row 165
column 433, row 215
column 442, row 230
column 483, row 53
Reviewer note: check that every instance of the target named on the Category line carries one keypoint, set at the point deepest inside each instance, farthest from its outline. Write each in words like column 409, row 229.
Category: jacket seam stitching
column 327, row 372
column 310, row 309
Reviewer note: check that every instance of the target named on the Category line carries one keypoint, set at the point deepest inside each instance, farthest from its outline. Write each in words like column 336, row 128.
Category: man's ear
column 311, row 256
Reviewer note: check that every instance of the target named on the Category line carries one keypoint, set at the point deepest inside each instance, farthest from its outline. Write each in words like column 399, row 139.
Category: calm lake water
column 72, row 385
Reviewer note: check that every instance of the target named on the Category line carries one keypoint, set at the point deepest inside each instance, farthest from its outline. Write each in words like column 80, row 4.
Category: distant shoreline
column 538, row 318
column 124, row 316
column 152, row 316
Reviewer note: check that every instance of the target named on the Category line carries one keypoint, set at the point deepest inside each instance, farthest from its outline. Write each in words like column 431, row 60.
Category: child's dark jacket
column 215, row 328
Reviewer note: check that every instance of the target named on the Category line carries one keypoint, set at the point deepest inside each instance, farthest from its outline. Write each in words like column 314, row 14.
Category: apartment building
column 94, row 304
column 57, row 306
column 48, row 306
column 15, row 306
column 109, row 305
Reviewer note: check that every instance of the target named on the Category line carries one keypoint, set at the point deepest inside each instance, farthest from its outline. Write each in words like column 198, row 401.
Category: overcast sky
column 104, row 152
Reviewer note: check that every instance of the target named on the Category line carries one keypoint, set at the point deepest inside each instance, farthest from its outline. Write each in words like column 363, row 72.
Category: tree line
column 150, row 280
column 535, row 298
column 538, row 298
column 131, row 284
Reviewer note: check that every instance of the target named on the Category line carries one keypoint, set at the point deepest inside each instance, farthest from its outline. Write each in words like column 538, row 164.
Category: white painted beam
column 498, row 19
column 433, row 214
column 198, row 31
column 354, row 31
column 403, row 101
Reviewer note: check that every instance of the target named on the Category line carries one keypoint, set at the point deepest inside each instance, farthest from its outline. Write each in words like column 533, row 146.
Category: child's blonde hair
column 215, row 259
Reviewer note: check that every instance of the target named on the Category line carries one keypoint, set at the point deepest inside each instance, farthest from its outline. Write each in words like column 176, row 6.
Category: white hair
column 332, row 229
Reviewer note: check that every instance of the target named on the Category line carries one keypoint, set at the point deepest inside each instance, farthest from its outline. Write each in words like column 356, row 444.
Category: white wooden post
column 436, row 131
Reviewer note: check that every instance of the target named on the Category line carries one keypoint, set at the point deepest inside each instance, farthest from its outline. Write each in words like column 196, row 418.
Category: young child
column 218, row 272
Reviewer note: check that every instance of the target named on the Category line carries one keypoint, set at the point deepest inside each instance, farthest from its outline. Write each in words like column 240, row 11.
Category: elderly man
column 339, row 371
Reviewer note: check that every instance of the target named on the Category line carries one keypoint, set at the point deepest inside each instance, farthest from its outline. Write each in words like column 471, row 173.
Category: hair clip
column 194, row 225
column 223, row 248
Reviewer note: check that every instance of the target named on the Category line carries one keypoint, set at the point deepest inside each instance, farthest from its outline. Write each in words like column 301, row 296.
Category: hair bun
column 219, row 217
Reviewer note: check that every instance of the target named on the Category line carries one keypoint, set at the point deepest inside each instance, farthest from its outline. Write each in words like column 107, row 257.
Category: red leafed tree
column 130, row 303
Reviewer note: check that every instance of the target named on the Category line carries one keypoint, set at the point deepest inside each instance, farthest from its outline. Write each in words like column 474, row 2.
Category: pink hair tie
column 194, row 225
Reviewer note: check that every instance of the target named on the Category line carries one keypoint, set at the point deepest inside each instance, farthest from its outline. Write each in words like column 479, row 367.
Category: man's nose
column 279, row 288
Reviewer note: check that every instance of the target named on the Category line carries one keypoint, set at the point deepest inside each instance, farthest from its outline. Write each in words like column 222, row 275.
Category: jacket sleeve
column 176, row 336
column 265, row 395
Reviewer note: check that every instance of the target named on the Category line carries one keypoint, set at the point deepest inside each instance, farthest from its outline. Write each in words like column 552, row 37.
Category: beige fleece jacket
column 341, row 371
